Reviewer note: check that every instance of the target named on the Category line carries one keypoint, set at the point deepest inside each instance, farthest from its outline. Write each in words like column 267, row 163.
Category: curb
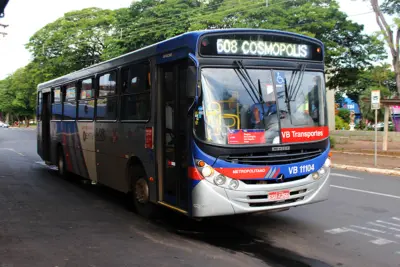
column 366, row 154
column 364, row 169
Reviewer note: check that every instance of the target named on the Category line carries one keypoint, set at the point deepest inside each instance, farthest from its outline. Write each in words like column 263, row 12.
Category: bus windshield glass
column 247, row 106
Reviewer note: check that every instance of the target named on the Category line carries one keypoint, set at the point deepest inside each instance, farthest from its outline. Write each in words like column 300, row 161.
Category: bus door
column 173, row 124
column 45, row 133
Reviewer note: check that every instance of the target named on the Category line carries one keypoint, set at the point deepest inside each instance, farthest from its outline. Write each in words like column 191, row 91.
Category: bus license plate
column 280, row 195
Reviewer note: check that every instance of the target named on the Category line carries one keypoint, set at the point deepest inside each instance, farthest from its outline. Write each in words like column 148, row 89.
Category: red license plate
column 280, row 195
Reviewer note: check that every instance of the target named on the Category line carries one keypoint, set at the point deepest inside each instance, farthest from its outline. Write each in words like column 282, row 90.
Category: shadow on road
column 221, row 232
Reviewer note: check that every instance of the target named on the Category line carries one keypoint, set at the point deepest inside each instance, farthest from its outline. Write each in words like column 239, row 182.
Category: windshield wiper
column 299, row 81
column 239, row 74
column 288, row 99
column 245, row 74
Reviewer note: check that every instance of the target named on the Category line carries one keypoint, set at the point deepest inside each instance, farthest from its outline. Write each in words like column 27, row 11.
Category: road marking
column 395, row 218
column 384, row 226
column 347, row 176
column 337, row 231
column 381, row 242
column 365, row 191
column 368, row 229
column 10, row 149
column 392, row 224
column 378, row 241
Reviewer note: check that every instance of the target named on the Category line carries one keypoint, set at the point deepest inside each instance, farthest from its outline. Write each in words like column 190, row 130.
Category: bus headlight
column 207, row 171
column 234, row 184
column 214, row 177
column 327, row 163
column 220, row 179
column 315, row 175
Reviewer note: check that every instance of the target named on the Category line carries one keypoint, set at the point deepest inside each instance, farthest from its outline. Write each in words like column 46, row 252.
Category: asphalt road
column 48, row 221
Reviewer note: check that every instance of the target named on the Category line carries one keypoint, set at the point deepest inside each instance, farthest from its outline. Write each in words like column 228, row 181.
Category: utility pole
column 266, row 3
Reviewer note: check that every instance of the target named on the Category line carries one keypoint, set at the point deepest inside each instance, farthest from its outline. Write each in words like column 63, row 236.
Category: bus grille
column 273, row 181
column 274, row 158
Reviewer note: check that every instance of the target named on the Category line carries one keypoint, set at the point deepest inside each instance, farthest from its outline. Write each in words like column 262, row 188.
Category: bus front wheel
column 140, row 193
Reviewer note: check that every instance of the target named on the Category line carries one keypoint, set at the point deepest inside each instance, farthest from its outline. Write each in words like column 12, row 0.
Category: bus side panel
column 116, row 143
column 39, row 140
column 70, row 142
column 110, row 158
column 86, row 150
column 56, row 140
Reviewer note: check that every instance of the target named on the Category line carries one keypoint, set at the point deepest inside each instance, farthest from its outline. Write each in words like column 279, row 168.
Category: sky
column 25, row 17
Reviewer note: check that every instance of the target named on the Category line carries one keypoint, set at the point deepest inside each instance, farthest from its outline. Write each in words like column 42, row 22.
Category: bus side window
column 56, row 107
column 107, row 97
column 70, row 102
column 135, row 97
column 86, row 100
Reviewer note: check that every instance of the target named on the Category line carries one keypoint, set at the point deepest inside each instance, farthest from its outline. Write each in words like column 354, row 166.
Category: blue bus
column 208, row 123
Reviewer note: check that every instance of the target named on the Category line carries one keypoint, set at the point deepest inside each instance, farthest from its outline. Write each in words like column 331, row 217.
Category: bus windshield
column 252, row 106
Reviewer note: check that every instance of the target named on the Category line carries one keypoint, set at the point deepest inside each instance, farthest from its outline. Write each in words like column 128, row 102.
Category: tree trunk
column 398, row 81
column 26, row 121
column 8, row 118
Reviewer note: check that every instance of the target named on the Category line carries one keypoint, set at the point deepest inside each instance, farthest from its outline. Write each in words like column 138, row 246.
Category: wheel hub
column 142, row 191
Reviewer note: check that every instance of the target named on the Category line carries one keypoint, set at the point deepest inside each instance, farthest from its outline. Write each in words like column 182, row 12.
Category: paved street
column 48, row 221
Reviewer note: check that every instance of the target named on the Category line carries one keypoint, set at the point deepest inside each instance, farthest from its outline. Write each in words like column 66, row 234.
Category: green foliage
column 82, row 38
column 72, row 42
column 360, row 125
column 340, row 124
column 17, row 93
column 344, row 114
column 332, row 141
column 391, row 7
column 348, row 50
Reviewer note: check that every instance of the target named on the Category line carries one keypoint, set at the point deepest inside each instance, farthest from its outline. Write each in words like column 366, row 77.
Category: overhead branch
column 384, row 26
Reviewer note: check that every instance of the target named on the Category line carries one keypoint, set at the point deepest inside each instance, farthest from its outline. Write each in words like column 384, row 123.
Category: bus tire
column 62, row 170
column 140, row 194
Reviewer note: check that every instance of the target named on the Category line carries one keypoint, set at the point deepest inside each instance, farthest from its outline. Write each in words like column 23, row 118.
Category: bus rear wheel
column 140, row 193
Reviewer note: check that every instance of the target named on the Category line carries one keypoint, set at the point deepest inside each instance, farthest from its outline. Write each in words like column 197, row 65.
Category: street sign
column 375, row 99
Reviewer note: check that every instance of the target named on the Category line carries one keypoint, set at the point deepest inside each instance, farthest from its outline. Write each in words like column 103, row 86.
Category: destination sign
column 261, row 45
column 261, row 48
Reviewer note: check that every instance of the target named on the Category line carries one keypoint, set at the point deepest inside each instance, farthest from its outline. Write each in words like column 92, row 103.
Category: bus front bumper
column 211, row 200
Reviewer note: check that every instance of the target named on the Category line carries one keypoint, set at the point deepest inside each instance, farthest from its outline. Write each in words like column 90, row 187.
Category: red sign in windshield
column 295, row 135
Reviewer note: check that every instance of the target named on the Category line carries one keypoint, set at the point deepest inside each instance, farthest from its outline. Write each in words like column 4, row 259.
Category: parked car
column 4, row 125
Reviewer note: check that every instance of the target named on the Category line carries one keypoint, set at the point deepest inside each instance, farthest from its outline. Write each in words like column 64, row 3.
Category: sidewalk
column 359, row 156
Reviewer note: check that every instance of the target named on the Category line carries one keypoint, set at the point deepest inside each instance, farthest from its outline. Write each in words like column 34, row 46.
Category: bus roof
column 189, row 40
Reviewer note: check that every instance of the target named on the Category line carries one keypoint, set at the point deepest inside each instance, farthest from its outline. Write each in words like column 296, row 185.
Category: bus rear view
column 260, row 123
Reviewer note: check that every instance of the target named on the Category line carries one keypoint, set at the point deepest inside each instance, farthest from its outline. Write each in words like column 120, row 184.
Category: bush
column 344, row 114
column 360, row 125
column 340, row 124
column 332, row 140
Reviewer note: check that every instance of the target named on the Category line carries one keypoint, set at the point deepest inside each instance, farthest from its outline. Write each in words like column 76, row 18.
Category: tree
column 378, row 76
column 18, row 93
column 348, row 50
column 148, row 22
column 391, row 33
column 75, row 41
